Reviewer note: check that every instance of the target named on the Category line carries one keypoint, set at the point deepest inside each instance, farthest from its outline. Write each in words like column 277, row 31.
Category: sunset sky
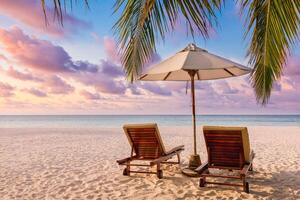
column 76, row 69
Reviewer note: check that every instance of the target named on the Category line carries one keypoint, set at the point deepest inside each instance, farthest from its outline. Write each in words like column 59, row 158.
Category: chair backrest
column 227, row 147
column 145, row 140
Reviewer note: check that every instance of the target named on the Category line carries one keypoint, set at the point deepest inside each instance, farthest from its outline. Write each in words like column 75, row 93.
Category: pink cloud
column 56, row 85
column 43, row 56
column 22, row 76
column 30, row 13
column 103, row 77
column 39, row 54
column 6, row 90
column 36, row 92
column 90, row 96
column 111, row 50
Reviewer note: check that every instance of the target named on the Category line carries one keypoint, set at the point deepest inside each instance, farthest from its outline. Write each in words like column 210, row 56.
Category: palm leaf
column 59, row 6
column 274, row 29
column 143, row 22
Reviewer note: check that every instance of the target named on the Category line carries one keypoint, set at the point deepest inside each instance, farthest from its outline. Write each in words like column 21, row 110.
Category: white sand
column 80, row 164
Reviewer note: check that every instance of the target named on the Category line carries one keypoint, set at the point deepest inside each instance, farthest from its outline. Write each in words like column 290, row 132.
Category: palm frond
column 274, row 29
column 59, row 6
column 143, row 22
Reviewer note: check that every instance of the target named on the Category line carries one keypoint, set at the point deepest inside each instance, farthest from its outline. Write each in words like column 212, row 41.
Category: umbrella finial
column 193, row 47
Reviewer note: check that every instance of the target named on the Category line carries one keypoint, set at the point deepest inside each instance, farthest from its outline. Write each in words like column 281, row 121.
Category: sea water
column 98, row 121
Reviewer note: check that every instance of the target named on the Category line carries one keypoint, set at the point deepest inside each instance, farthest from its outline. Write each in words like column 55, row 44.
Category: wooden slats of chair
column 225, row 151
column 147, row 146
column 145, row 142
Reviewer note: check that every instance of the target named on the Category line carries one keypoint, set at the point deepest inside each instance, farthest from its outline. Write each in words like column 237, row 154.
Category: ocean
column 107, row 121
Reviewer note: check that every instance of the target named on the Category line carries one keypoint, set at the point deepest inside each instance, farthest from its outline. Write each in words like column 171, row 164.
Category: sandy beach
column 67, row 163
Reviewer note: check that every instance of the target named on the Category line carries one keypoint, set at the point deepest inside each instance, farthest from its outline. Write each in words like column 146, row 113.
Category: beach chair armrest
column 179, row 148
column 162, row 159
column 246, row 167
column 252, row 155
column 245, row 170
column 202, row 168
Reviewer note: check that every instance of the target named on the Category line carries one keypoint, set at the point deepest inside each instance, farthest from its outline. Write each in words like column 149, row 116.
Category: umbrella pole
column 194, row 113
column 194, row 161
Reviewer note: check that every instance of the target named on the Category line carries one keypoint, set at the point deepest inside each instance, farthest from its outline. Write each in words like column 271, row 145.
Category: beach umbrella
column 191, row 64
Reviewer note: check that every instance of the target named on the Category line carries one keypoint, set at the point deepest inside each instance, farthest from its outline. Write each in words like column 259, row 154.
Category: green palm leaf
column 274, row 29
column 58, row 6
column 143, row 22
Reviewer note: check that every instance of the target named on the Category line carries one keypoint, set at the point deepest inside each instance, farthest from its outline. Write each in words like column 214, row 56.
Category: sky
column 76, row 68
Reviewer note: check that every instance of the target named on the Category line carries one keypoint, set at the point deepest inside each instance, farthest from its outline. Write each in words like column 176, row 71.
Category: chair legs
column 245, row 185
column 159, row 172
column 126, row 171
column 204, row 175
column 178, row 157
column 202, row 182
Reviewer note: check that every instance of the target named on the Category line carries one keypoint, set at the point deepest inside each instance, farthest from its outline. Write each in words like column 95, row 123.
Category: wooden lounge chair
column 227, row 148
column 146, row 145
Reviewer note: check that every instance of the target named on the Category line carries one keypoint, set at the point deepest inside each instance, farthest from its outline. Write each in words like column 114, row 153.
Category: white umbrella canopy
column 190, row 64
column 207, row 65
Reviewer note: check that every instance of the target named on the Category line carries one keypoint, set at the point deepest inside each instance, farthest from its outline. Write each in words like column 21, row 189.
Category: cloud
column 111, row 50
column 101, row 82
column 52, row 70
column 6, row 90
column 290, row 81
column 106, row 77
column 43, row 56
column 90, row 96
column 157, row 89
column 224, row 88
column 56, row 85
column 292, row 67
column 21, row 75
column 134, row 89
column 39, row 54
column 36, row 92
column 30, row 13
column 111, row 69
